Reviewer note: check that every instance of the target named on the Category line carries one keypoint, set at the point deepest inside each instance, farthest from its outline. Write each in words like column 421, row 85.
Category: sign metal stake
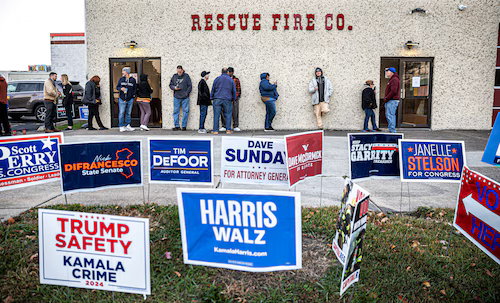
column 66, row 199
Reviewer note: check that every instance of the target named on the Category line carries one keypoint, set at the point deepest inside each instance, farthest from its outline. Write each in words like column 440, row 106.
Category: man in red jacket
column 4, row 118
column 391, row 99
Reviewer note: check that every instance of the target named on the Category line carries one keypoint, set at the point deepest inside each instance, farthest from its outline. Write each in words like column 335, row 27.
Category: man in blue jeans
column 391, row 98
column 269, row 95
column 223, row 94
column 181, row 85
column 127, row 87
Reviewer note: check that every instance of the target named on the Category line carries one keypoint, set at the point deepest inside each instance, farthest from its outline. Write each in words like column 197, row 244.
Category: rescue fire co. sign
column 94, row 251
column 477, row 215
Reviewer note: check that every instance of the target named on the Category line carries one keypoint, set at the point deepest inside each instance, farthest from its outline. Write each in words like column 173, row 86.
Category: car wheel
column 40, row 112
column 15, row 116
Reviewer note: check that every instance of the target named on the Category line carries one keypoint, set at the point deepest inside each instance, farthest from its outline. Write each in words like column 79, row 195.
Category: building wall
column 462, row 43
column 68, row 58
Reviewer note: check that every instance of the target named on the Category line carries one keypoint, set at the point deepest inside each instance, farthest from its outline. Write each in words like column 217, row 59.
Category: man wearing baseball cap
column 127, row 86
column 391, row 98
column 203, row 100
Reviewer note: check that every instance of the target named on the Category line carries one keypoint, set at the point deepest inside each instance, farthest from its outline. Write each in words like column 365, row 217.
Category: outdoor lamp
column 411, row 44
column 130, row 44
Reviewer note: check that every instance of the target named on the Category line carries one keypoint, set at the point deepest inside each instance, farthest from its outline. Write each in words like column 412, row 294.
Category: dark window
column 27, row 87
column 497, row 77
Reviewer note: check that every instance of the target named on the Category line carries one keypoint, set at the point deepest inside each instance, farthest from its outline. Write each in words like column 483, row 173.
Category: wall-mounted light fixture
column 462, row 7
column 411, row 44
column 418, row 10
column 130, row 44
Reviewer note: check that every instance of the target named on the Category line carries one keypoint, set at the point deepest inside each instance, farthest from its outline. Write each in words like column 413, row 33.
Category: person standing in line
column 4, row 117
column 92, row 99
column 67, row 99
column 127, row 86
column 368, row 103
column 223, row 94
column 203, row 100
column 181, row 85
column 321, row 89
column 50, row 95
column 391, row 98
column 269, row 95
column 236, row 104
column 144, row 92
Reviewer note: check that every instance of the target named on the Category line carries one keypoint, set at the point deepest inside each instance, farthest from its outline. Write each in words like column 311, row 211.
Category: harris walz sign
column 373, row 155
column 93, row 166
column 29, row 160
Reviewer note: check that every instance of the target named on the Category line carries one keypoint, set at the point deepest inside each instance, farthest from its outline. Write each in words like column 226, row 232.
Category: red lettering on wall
column 340, row 22
column 298, row 20
column 208, row 22
column 243, row 16
column 276, row 18
column 256, row 24
column 310, row 22
column 196, row 21
column 220, row 23
column 328, row 27
column 231, row 27
column 286, row 22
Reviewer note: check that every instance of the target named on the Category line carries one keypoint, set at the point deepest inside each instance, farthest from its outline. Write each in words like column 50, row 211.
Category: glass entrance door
column 138, row 66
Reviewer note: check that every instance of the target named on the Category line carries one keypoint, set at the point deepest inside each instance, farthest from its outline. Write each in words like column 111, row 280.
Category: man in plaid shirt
column 235, row 104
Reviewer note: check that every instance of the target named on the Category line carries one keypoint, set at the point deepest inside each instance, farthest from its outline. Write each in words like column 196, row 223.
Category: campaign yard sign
column 431, row 161
column 94, row 251
column 253, row 161
column 29, row 160
column 94, row 166
column 477, row 215
column 492, row 151
column 180, row 160
column 304, row 156
column 373, row 155
column 256, row 231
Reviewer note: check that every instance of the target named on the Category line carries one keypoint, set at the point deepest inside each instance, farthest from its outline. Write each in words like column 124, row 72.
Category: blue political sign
column 492, row 151
column 29, row 160
column 93, row 166
column 84, row 112
column 180, row 160
column 373, row 155
column 255, row 231
column 431, row 161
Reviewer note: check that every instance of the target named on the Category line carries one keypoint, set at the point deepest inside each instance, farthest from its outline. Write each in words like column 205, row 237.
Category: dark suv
column 26, row 99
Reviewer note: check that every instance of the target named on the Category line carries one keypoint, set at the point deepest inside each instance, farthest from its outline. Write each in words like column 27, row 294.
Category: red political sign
column 477, row 215
column 304, row 156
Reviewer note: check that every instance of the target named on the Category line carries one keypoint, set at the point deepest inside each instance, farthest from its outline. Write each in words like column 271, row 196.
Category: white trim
column 168, row 138
column 496, row 87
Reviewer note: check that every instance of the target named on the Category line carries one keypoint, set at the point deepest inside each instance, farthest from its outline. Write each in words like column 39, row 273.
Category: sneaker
column 377, row 130
column 222, row 129
column 144, row 127
column 129, row 128
column 103, row 128
column 122, row 129
column 320, row 127
column 91, row 128
column 365, row 130
column 49, row 130
column 202, row 131
column 270, row 129
column 184, row 128
column 229, row 132
column 176, row 128
column 237, row 129
column 67, row 128
column 215, row 133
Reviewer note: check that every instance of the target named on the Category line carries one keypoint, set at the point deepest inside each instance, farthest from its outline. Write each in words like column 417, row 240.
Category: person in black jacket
column 144, row 92
column 67, row 99
column 92, row 99
column 203, row 101
column 368, row 103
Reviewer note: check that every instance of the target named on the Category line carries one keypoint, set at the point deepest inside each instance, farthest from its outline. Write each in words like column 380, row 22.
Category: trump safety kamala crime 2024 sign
column 255, row 231
column 304, row 156
column 93, row 166
column 434, row 161
column 29, row 160
column 253, row 160
column 180, row 160
column 95, row 251
column 373, row 155
column 477, row 215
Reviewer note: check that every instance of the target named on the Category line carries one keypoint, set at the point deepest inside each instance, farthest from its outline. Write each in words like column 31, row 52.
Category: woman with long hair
column 67, row 99
column 144, row 92
column 93, row 100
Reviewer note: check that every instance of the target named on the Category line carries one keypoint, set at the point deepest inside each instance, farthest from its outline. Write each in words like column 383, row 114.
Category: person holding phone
column 369, row 103
column 321, row 89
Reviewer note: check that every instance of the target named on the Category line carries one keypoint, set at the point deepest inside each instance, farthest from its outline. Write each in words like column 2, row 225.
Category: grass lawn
column 76, row 125
column 405, row 260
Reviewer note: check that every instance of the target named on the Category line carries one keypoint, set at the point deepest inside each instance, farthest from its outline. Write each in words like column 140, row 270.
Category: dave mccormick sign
column 304, row 156
column 181, row 161
column 94, row 251
column 431, row 161
column 259, row 231
column 258, row 161
column 29, row 160
column 92, row 166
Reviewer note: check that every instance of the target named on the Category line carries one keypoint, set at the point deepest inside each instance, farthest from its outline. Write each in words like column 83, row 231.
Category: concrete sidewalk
column 387, row 195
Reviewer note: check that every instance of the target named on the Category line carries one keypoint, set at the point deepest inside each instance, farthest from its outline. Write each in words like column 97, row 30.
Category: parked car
column 26, row 99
